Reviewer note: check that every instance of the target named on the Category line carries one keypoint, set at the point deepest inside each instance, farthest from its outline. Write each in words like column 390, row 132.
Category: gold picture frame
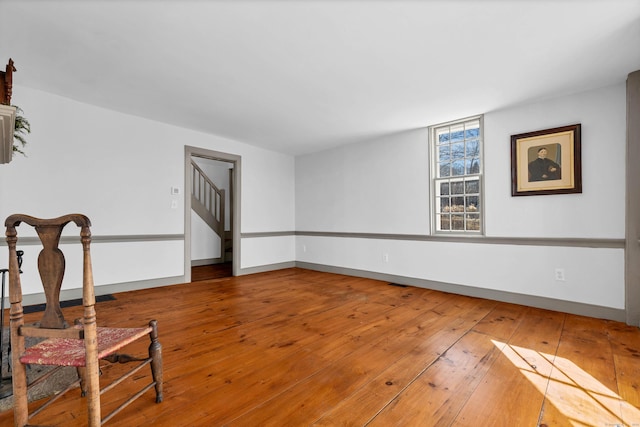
column 546, row 162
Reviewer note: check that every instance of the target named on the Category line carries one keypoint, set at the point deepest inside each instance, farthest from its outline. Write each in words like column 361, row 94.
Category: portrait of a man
column 541, row 167
column 546, row 162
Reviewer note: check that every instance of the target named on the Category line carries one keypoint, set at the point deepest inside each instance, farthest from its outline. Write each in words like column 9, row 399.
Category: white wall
column 205, row 243
column 596, row 213
column 379, row 186
column 118, row 170
column 382, row 186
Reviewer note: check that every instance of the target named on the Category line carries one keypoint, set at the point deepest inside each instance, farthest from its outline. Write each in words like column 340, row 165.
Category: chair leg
column 20, row 397
column 82, row 374
column 155, row 353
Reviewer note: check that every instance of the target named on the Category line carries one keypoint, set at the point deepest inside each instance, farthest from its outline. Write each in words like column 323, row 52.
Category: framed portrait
column 546, row 162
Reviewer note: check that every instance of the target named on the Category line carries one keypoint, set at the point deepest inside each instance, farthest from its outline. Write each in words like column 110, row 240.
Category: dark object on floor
column 64, row 304
column 398, row 285
column 5, row 380
column 81, row 345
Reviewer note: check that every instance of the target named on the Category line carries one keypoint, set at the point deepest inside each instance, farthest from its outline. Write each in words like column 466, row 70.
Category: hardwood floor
column 296, row 348
column 213, row 271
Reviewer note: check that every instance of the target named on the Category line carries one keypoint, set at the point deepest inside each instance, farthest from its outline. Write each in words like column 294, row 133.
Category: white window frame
column 435, row 199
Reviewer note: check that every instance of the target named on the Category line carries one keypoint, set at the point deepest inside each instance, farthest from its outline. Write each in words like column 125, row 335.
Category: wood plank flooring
column 299, row 348
column 211, row 271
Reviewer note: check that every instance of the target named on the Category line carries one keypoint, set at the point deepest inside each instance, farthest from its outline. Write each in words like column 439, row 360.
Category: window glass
column 457, row 176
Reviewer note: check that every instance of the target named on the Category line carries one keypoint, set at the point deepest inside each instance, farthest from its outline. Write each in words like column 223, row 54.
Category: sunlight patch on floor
column 581, row 398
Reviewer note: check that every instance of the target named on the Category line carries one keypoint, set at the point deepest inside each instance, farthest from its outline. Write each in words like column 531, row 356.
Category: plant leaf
column 21, row 128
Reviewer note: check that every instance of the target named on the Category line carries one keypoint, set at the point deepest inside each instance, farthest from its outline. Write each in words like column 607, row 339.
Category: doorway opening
column 212, row 212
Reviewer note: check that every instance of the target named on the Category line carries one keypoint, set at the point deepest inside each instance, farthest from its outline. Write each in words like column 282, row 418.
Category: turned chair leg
column 83, row 380
column 155, row 353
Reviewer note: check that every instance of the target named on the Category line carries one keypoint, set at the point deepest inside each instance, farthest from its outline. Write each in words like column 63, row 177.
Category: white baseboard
column 265, row 268
column 206, row 261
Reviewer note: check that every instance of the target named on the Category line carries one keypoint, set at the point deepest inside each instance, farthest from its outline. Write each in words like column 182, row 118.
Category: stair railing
column 208, row 201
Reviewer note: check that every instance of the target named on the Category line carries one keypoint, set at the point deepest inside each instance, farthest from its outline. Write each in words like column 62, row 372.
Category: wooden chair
column 81, row 345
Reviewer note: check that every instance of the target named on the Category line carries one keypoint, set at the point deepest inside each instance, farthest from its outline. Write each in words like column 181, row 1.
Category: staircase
column 228, row 246
column 208, row 201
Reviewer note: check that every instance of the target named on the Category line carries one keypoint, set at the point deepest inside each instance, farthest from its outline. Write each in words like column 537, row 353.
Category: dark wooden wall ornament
column 6, row 83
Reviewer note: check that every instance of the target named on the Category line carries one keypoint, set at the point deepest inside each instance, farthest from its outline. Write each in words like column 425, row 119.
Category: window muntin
column 457, row 176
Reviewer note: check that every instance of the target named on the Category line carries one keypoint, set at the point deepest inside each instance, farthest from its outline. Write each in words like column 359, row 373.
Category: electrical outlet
column 304, row 248
column 560, row 274
column 385, row 257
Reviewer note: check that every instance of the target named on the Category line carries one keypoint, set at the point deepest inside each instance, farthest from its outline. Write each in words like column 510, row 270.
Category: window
column 456, row 177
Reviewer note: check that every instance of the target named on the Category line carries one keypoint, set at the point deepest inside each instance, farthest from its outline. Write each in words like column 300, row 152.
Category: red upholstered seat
column 71, row 352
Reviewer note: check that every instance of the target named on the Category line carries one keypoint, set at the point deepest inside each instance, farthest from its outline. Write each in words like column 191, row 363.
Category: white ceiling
column 301, row 76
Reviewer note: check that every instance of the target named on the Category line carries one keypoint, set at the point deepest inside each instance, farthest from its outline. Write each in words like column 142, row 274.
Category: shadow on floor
column 213, row 271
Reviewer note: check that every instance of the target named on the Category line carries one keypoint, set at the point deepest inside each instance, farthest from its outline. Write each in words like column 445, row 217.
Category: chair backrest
column 51, row 264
